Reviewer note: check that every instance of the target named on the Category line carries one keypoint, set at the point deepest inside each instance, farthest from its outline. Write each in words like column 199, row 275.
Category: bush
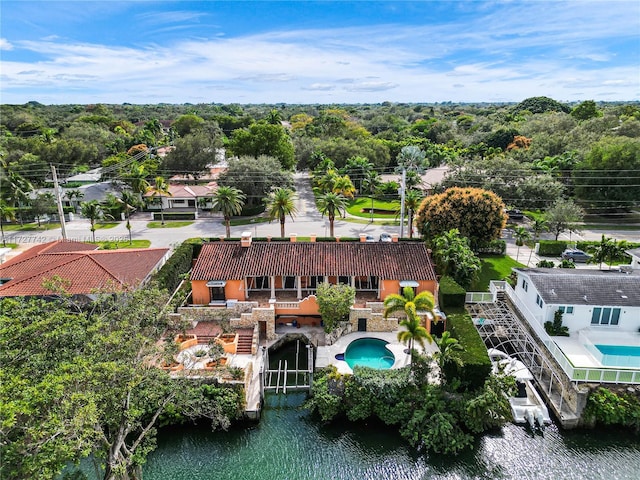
column 476, row 365
column 170, row 275
column 556, row 328
column 450, row 294
column 545, row 264
column 551, row 248
column 494, row 247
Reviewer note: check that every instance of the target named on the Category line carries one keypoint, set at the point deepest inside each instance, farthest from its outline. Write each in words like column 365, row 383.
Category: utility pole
column 58, row 194
column 403, row 186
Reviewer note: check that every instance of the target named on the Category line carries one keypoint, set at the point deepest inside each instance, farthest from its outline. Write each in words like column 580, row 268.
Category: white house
column 635, row 258
column 598, row 300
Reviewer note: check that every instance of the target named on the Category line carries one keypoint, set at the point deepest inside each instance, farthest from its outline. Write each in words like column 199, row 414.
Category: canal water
column 291, row 444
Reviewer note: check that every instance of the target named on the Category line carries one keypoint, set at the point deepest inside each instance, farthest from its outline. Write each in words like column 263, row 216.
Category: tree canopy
column 476, row 213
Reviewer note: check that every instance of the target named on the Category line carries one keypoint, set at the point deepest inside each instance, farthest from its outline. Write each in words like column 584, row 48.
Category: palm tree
column 93, row 211
column 136, row 178
column 75, row 193
column 329, row 204
column 160, row 188
column 412, row 200
column 370, row 184
column 229, row 201
column 129, row 201
column 414, row 333
column 447, row 352
column 7, row 213
column 538, row 226
column 280, row 203
column 344, row 186
column 521, row 234
column 411, row 304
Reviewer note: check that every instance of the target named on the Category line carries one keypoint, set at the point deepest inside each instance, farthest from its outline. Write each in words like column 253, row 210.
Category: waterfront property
column 272, row 284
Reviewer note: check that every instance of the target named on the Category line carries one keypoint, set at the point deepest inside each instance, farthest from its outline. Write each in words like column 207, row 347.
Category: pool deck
column 326, row 355
column 579, row 355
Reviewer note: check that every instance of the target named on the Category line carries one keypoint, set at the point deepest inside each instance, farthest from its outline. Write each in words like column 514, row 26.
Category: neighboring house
column 635, row 258
column 428, row 179
column 88, row 177
column 589, row 299
column 278, row 280
column 83, row 269
column 182, row 197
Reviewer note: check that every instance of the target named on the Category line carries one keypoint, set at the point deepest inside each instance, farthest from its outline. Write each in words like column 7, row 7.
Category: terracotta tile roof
column 230, row 261
column 86, row 270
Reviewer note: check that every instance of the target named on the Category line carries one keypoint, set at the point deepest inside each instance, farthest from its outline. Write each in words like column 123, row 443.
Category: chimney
column 221, row 238
column 394, row 237
column 313, row 237
column 245, row 239
column 293, row 237
column 363, row 237
column 337, row 237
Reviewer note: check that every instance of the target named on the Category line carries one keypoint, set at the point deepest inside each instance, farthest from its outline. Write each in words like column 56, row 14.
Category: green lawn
column 361, row 207
column 493, row 268
column 250, row 221
column 125, row 244
column 170, row 224
column 105, row 225
column 9, row 245
column 30, row 227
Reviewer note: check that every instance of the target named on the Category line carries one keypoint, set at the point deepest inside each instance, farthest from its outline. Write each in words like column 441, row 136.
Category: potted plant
column 215, row 354
column 169, row 361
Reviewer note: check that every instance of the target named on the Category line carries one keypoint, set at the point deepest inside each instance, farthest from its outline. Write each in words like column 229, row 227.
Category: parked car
column 385, row 237
column 369, row 238
column 575, row 255
column 514, row 214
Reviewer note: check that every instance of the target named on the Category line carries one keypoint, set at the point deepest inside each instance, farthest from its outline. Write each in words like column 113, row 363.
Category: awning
column 409, row 283
column 216, row 283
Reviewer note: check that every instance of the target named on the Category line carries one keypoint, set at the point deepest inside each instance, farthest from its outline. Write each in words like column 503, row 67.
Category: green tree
column 229, row 201
column 447, row 354
column 7, row 214
column 129, row 202
column 94, row 212
column 586, row 110
column 256, row 177
column 412, row 200
column 136, row 179
column 562, row 216
column 280, row 203
column 334, row 303
column 455, row 258
column 194, row 153
column 264, row 139
column 359, row 168
column 188, row 123
column 43, row 204
column 159, row 189
column 540, row 105
column 605, row 178
column 477, row 214
column 330, row 204
column 521, row 234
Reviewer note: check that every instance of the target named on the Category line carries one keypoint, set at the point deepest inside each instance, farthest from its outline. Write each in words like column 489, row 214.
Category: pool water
column 369, row 352
column 619, row 355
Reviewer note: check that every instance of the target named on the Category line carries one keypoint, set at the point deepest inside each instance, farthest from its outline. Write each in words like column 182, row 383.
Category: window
column 605, row 316
column 567, row 310
column 525, row 285
column 539, row 301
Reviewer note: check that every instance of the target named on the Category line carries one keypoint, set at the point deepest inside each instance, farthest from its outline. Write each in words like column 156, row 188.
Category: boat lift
column 284, row 378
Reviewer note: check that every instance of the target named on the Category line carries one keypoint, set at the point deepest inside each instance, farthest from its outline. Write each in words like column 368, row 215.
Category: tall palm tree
column 93, row 211
column 412, row 200
column 73, row 194
column 7, row 213
column 129, row 201
column 409, row 302
column 414, row 333
column 537, row 227
column 229, row 201
column 160, row 188
column 330, row 204
column 521, row 234
column 280, row 203
column 371, row 183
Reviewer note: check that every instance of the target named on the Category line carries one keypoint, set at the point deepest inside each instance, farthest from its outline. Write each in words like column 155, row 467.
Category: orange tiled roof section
column 86, row 268
column 230, row 261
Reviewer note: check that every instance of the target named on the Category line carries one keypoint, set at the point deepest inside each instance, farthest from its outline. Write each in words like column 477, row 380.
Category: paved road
column 307, row 221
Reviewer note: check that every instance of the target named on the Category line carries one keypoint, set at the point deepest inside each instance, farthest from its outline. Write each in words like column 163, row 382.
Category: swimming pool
column 369, row 352
column 619, row 355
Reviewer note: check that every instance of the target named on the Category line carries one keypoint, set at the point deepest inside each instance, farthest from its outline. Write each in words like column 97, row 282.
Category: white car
column 385, row 237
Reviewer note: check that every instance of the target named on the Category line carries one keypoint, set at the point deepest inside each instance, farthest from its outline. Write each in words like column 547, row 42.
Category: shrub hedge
column 450, row 294
column 476, row 365
column 170, row 275
column 552, row 248
column 169, row 216
column 494, row 247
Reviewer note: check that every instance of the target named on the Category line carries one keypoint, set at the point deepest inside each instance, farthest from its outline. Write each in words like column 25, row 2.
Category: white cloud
column 5, row 45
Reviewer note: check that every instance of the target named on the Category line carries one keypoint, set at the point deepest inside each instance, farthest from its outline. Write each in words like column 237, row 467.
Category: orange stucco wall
column 309, row 306
column 234, row 289
column 393, row 286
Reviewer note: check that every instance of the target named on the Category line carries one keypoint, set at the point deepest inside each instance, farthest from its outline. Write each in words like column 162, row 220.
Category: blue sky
column 318, row 52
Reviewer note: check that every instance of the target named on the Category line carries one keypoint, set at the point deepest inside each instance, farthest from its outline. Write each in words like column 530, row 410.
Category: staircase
column 245, row 340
